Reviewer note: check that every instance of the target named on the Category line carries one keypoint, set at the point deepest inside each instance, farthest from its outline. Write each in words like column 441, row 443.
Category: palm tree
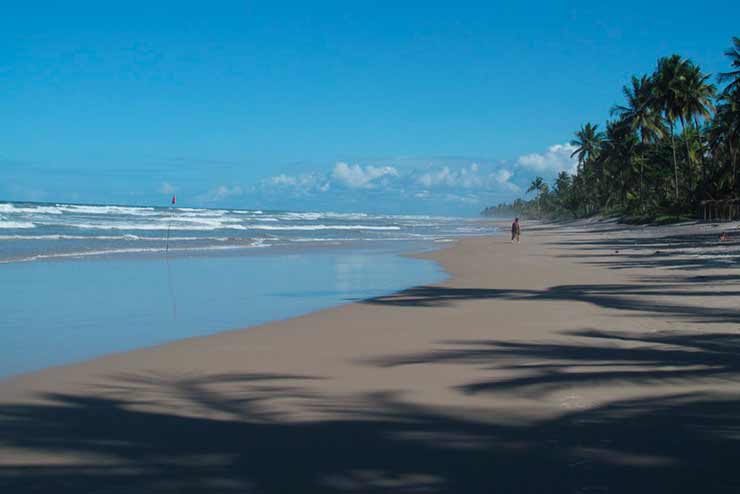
column 726, row 124
column 697, row 97
column 724, row 132
column 678, row 98
column 536, row 184
column 587, row 142
column 566, row 197
column 669, row 81
column 562, row 183
column 698, row 94
column 639, row 112
column 640, row 116
column 618, row 160
column 576, row 193
column 733, row 77
column 540, row 186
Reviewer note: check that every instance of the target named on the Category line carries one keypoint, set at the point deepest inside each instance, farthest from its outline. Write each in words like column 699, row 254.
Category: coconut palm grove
column 669, row 152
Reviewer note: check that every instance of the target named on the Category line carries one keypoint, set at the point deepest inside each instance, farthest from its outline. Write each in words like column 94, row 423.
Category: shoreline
column 293, row 283
column 583, row 353
column 296, row 247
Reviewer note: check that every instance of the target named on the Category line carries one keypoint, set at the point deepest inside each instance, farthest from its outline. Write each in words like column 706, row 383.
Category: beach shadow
column 545, row 368
column 694, row 280
column 636, row 242
column 227, row 433
column 665, row 261
column 373, row 443
column 691, row 251
column 623, row 297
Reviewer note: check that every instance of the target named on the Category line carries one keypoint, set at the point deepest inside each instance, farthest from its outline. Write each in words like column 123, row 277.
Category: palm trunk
column 702, row 163
column 688, row 158
column 623, row 198
column 675, row 162
column 603, row 198
column 641, row 156
column 642, row 185
column 733, row 160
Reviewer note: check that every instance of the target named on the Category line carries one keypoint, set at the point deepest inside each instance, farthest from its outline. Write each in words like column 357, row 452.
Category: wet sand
column 591, row 357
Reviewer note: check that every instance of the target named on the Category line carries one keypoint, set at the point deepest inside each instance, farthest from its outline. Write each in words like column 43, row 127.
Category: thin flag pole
column 170, row 285
column 169, row 225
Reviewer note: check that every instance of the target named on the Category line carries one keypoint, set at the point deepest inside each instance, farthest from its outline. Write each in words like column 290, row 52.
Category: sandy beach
column 592, row 357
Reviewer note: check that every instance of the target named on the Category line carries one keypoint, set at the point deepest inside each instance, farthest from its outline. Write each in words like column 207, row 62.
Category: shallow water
column 61, row 312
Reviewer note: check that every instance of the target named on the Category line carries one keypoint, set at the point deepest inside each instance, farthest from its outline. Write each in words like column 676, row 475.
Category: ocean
column 80, row 281
column 33, row 231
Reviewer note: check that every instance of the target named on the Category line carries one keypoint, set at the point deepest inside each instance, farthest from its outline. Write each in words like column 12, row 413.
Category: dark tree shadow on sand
column 630, row 240
column 223, row 434
column 372, row 443
column 542, row 368
column 626, row 297
column 699, row 250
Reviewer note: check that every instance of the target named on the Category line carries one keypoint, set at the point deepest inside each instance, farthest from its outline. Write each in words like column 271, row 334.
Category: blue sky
column 366, row 106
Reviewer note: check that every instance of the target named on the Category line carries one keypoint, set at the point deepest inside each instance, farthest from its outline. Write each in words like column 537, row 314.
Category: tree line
column 670, row 150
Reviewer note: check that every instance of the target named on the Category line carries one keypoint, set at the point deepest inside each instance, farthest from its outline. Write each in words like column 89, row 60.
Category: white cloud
column 220, row 193
column 358, row 177
column 306, row 183
column 502, row 177
column 283, row 179
column 167, row 188
column 223, row 191
column 293, row 181
column 455, row 183
column 467, row 178
column 418, row 183
column 440, row 177
column 461, row 199
column 556, row 158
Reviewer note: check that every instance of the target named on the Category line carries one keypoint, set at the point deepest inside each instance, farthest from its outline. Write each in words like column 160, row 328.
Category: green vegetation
column 670, row 152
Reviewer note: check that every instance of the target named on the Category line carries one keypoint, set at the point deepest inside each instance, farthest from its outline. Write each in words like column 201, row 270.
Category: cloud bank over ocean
column 439, row 185
column 457, row 184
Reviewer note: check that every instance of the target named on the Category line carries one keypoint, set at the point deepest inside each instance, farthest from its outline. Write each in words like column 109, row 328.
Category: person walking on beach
column 516, row 230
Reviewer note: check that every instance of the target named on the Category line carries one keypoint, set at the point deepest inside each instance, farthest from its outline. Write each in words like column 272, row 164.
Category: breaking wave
column 141, row 250
column 16, row 224
column 35, row 231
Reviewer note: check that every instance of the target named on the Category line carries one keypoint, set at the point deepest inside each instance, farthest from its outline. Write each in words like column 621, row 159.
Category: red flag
column 174, row 199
